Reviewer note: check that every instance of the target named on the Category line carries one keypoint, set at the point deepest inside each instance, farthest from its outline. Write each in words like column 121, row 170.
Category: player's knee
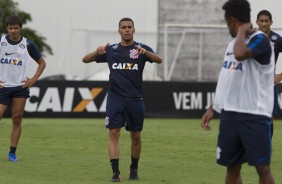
column 17, row 119
column 136, row 137
column 114, row 133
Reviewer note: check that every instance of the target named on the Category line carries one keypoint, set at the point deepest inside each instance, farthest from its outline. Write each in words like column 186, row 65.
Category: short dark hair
column 12, row 20
column 264, row 12
column 125, row 19
column 239, row 9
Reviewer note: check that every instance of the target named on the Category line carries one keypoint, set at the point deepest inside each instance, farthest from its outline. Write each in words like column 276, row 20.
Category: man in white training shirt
column 244, row 97
column 17, row 55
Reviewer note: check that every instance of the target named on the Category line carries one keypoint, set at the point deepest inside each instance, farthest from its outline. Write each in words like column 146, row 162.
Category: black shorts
column 6, row 94
column 244, row 140
column 128, row 113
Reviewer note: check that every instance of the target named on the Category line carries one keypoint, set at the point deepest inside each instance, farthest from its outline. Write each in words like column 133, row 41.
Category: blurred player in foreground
column 17, row 55
column 125, row 101
column 244, row 98
column 264, row 22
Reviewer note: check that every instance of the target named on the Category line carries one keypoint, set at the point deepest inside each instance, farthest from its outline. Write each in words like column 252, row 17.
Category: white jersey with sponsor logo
column 245, row 86
column 15, row 62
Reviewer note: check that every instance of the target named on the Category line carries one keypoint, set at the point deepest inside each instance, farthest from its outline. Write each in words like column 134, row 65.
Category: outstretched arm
column 92, row 55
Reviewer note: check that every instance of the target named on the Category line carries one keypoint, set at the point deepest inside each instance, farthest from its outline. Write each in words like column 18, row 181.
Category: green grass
column 74, row 151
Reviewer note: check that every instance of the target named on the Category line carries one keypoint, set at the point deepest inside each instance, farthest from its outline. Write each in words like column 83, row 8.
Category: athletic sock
column 134, row 163
column 115, row 166
column 13, row 149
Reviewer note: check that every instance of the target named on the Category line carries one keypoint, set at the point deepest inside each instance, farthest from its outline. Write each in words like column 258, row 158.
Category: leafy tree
column 8, row 8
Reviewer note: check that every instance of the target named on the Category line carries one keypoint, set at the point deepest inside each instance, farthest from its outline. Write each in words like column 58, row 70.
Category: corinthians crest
column 133, row 53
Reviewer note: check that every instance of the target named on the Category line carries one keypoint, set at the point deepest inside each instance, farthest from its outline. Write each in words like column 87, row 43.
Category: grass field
column 74, row 151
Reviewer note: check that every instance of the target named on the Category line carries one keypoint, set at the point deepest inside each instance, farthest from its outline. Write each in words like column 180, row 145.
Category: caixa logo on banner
column 68, row 99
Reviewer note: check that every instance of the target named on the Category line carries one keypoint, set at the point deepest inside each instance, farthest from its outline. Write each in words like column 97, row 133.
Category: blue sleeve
column 33, row 51
column 260, row 48
column 101, row 58
column 148, row 49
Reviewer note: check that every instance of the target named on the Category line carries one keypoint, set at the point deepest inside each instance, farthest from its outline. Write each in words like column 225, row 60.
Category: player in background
column 125, row 100
column 264, row 22
column 244, row 98
column 17, row 55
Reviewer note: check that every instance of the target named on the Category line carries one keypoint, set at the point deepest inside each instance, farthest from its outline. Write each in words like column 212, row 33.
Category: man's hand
column 101, row 49
column 140, row 49
column 28, row 83
column 206, row 119
column 247, row 29
column 92, row 56
column 1, row 84
column 277, row 78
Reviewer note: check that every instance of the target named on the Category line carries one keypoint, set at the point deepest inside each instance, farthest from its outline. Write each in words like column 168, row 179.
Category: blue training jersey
column 126, row 69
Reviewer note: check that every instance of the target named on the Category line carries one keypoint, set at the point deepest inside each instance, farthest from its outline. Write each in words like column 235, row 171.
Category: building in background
column 193, row 37
column 73, row 28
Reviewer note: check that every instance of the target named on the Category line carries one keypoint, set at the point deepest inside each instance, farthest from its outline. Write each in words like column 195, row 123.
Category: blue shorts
column 128, row 113
column 243, row 140
column 7, row 94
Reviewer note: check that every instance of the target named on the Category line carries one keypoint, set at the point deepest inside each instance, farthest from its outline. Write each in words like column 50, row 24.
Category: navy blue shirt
column 31, row 48
column 126, row 69
column 276, row 39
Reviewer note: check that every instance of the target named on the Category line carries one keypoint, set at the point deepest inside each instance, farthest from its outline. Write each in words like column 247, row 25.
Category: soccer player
column 244, row 97
column 264, row 22
column 17, row 55
column 125, row 101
